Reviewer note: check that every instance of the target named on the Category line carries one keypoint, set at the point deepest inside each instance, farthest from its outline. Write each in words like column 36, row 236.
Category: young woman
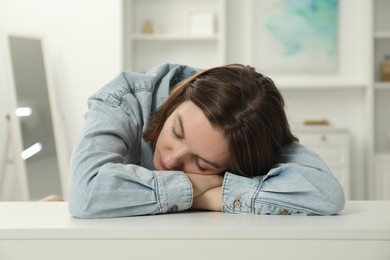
column 177, row 138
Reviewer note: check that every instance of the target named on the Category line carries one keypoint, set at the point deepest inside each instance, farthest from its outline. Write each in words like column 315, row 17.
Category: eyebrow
column 180, row 120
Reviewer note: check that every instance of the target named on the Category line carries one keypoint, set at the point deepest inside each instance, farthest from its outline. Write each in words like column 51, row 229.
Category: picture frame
column 201, row 23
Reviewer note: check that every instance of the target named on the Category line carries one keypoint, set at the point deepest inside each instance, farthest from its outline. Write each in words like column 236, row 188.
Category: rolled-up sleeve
column 119, row 190
column 301, row 184
column 174, row 191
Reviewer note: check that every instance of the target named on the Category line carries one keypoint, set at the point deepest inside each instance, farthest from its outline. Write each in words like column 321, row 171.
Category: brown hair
column 245, row 105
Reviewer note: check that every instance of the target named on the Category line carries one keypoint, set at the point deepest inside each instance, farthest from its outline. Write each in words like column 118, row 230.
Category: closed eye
column 175, row 133
column 200, row 168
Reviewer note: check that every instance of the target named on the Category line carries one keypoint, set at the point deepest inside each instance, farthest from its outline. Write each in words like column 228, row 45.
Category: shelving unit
column 381, row 101
column 382, row 173
column 171, row 39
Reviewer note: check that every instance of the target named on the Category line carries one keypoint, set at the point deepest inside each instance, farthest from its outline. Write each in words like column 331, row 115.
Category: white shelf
column 173, row 37
column 382, row 35
column 172, row 40
column 316, row 129
column 382, row 85
column 317, row 82
column 383, row 156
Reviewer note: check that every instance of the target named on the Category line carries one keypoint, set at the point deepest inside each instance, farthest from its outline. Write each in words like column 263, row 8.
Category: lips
column 163, row 166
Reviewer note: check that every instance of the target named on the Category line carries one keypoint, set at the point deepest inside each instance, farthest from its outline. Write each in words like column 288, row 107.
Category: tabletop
column 368, row 220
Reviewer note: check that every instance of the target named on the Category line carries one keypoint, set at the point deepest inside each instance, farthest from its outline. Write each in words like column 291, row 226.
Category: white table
column 45, row 230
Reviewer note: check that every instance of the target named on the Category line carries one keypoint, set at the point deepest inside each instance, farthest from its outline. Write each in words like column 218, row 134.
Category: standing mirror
column 34, row 112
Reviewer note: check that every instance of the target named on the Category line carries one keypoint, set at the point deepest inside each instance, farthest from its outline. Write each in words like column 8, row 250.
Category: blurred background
column 329, row 58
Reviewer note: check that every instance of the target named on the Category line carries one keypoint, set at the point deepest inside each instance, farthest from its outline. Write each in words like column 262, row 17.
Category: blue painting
column 296, row 35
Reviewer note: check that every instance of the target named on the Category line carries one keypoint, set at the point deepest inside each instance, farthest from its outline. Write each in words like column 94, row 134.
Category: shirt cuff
column 239, row 193
column 174, row 191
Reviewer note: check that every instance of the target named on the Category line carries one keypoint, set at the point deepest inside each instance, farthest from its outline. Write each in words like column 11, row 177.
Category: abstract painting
column 296, row 36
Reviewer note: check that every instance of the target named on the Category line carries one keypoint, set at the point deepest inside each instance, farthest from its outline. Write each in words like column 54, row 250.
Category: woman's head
column 241, row 105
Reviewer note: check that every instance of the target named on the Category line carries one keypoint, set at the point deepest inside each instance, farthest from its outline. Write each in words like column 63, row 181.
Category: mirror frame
column 57, row 121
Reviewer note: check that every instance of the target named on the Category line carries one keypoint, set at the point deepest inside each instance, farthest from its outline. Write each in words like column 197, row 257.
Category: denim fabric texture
column 112, row 172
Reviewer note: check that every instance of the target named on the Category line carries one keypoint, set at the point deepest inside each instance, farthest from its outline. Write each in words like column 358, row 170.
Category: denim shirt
column 112, row 172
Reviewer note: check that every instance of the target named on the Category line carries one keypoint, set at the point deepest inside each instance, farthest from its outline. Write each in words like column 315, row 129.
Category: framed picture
column 201, row 23
column 295, row 36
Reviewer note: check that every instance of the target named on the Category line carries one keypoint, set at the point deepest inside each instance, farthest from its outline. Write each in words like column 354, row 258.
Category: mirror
column 35, row 117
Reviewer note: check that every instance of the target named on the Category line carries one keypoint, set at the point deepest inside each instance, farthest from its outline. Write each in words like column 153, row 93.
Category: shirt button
column 284, row 212
column 237, row 203
column 173, row 208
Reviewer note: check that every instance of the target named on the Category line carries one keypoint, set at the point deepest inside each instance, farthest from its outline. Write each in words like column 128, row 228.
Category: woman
column 177, row 138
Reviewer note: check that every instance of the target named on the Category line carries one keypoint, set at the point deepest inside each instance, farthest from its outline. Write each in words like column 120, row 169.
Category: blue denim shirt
column 112, row 172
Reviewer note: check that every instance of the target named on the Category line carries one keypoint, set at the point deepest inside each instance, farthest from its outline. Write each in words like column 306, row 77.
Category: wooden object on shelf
column 316, row 121
column 385, row 69
column 148, row 27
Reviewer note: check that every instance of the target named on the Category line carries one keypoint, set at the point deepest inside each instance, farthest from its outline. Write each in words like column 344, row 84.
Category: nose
column 177, row 158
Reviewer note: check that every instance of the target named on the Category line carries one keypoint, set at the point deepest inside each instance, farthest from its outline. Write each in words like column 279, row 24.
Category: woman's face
column 189, row 143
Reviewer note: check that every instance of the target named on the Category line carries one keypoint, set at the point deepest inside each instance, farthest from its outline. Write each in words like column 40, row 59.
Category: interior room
column 336, row 105
column 330, row 59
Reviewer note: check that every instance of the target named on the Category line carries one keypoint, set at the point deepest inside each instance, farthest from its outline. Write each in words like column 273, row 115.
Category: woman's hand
column 207, row 191
column 210, row 200
column 203, row 183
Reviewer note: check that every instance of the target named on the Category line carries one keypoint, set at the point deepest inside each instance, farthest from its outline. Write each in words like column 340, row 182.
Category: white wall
column 8, row 183
column 83, row 41
column 3, row 93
